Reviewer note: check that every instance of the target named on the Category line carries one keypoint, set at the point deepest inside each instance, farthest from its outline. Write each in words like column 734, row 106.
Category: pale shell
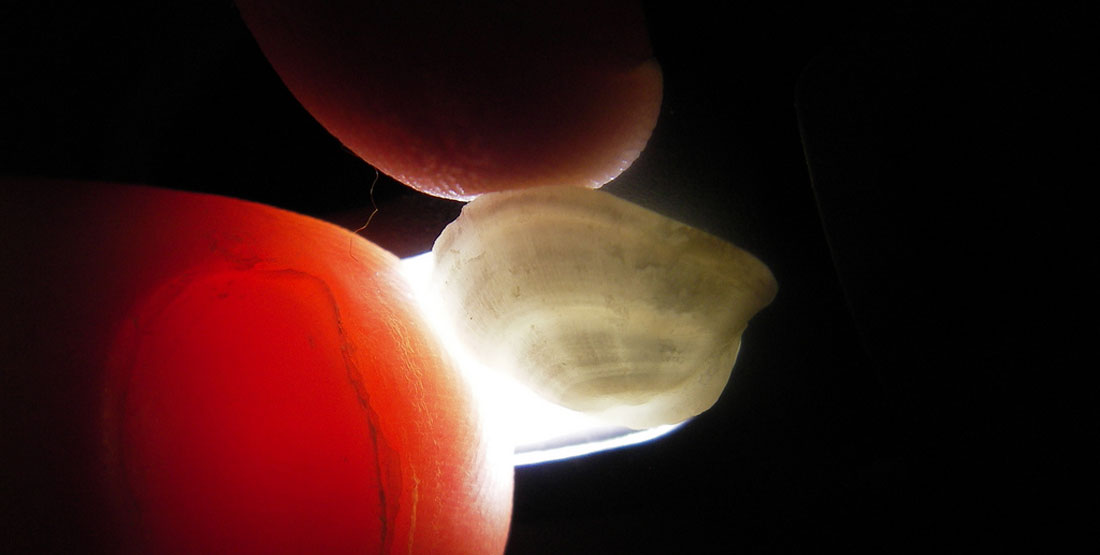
column 598, row 304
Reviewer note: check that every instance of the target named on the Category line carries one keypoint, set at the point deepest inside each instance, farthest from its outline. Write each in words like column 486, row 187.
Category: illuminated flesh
column 200, row 374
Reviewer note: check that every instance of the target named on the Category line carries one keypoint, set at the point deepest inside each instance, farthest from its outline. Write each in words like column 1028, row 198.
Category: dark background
column 898, row 168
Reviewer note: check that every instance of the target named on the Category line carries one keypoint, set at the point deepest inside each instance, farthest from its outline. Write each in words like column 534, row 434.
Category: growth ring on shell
column 598, row 304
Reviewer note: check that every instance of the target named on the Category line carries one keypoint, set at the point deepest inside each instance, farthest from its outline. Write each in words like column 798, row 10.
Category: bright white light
column 541, row 431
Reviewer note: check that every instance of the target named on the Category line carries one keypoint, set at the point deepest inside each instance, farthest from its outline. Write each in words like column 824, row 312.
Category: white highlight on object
column 596, row 303
column 541, row 431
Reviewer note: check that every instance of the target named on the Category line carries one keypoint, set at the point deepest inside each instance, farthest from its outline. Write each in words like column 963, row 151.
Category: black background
column 893, row 398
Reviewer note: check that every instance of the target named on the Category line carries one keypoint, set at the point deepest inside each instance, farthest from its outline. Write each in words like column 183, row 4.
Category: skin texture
column 458, row 99
column 190, row 373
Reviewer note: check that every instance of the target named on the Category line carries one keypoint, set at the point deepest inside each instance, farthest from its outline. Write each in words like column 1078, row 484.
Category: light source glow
column 540, row 430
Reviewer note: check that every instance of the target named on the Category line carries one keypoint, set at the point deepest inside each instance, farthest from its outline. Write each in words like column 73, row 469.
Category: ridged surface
column 598, row 304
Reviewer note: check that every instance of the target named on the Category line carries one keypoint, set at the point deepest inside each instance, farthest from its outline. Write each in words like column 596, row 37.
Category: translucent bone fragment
column 598, row 304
